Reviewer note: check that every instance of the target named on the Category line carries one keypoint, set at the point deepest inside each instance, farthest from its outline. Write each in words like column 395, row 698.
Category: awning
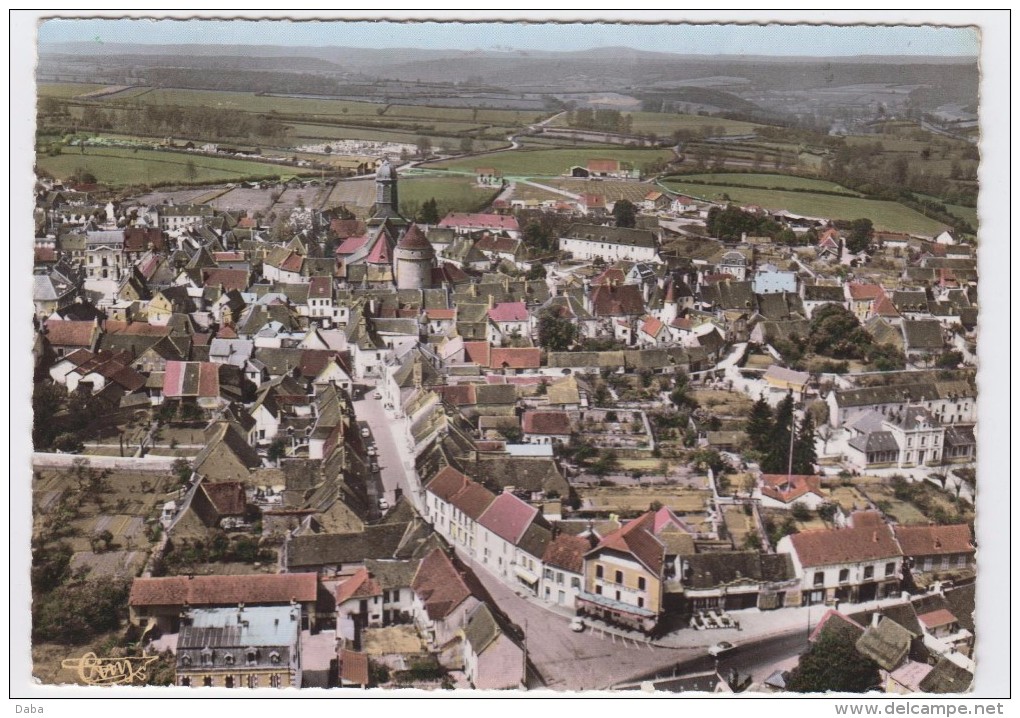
column 525, row 575
column 618, row 606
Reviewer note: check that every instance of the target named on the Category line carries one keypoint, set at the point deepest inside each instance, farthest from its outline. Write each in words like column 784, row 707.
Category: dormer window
column 229, row 659
column 252, row 656
column 274, row 657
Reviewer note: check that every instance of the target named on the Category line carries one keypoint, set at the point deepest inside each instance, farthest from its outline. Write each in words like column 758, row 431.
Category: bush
column 76, row 614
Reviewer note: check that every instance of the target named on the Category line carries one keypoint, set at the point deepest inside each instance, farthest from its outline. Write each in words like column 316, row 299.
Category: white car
column 577, row 625
column 376, row 395
column 720, row 649
column 383, row 504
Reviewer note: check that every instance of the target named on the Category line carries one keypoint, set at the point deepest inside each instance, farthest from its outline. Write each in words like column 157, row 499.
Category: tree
column 190, row 170
column 625, row 213
column 74, row 614
column 424, row 145
column 537, row 271
column 429, row 213
column 833, row 663
column 277, row 450
column 777, row 454
column 555, row 334
column 681, row 394
column 827, row 512
column 859, row 237
column 467, row 144
column 182, row 469
column 804, row 454
column 800, row 511
column 759, row 425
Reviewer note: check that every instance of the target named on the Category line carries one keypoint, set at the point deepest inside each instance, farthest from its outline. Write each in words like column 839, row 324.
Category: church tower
column 415, row 257
column 387, row 205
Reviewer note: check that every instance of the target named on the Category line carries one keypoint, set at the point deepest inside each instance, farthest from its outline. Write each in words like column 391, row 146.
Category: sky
column 786, row 40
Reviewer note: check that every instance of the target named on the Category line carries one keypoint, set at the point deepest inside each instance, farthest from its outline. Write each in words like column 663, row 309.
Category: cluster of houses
column 212, row 319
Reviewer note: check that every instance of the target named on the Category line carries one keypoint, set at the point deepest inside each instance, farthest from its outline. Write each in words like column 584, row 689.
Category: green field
column 552, row 163
column 770, row 181
column 66, row 90
column 117, row 167
column 664, row 124
column 452, row 194
column 968, row 214
column 890, row 216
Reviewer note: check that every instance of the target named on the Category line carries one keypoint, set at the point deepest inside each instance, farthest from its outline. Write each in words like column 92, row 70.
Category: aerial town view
column 367, row 362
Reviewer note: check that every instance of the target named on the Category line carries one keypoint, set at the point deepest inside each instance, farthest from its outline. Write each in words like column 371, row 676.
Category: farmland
column 890, row 216
column 452, row 194
column 118, row 167
column 769, row 181
column 665, row 124
column 552, row 163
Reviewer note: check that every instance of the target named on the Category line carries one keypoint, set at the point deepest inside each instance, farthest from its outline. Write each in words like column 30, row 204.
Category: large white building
column 588, row 241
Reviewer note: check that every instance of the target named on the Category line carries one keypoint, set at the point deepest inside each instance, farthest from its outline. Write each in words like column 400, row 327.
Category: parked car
column 372, row 451
column 365, row 432
column 383, row 504
column 720, row 649
column 577, row 625
column 376, row 395
column 374, row 467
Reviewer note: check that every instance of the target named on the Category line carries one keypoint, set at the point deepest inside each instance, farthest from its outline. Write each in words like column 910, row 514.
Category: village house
column 240, row 647
column 623, row 573
column 858, row 563
column 161, row 601
column 936, row 548
column 589, row 241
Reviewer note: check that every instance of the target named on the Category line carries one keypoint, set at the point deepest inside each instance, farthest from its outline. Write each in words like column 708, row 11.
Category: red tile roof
column 636, row 539
column 865, row 292
column 351, row 245
column 439, row 585
column 360, row 585
column 509, row 312
column 490, row 243
column 439, row 314
column 320, row 288
column 345, row 228
column 611, row 275
column 457, row 394
column 856, row 629
column 934, row 540
column 227, row 497
column 139, row 329
column 138, row 239
column 546, row 422
column 508, row 517
column 884, row 307
column 185, row 379
column 481, row 221
column 250, row 589
column 380, row 253
column 593, row 201
column 515, row 358
column 477, row 352
column 937, row 618
column 826, row 547
column 70, row 334
column 651, row 326
column 447, row 483
column 789, row 488
column 567, row 552
column 228, row 256
column 226, row 332
column 615, row 301
column 414, row 238
column 230, row 279
column 473, row 500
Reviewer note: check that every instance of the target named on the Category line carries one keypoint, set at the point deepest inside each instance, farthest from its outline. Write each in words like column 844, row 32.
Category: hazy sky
column 811, row 40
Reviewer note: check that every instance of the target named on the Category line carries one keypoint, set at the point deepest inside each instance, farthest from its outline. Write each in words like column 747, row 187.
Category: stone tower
column 386, row 202
column 414, row 257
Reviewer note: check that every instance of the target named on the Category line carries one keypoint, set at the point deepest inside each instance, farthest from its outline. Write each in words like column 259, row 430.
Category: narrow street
column 576, row 661
column 393, row 456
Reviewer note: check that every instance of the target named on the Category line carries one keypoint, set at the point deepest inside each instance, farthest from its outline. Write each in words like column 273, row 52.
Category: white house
column 859, row 563
column 588, row 241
